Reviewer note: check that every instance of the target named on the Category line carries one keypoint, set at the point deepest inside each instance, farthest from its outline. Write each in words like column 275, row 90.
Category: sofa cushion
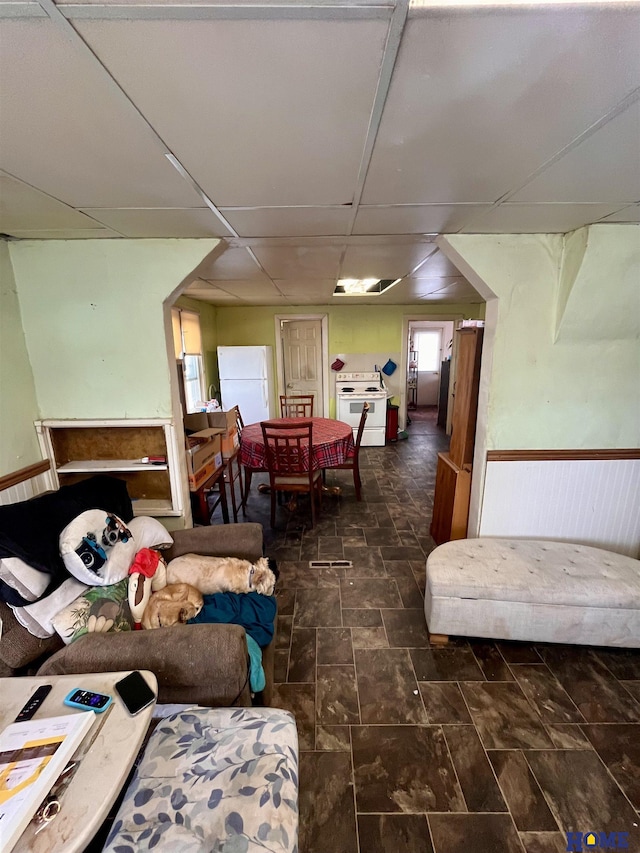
column 538, row 571
column 214, row 780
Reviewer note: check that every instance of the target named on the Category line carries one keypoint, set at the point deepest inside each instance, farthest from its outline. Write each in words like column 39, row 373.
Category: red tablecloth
column 332, row 443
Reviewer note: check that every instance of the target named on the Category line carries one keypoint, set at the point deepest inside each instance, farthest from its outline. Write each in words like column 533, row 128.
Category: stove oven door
column 350, row 408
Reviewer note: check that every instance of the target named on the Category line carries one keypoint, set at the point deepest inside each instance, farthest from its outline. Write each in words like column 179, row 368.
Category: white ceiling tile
column 537, row 218
column 627, row 214
column 250, row 290
column 605, row 167
column 65, row 234
column 205, row 292
column 422, row 286
column 232, row 264
column 256, row 7
column 65, row 132
column 288, row 221
column 383, row 260
column 23, row 208
column 284, row 113
column 414, row 219
column 197, row 222
column 436, row 266
column 315, row 290
column 299, row 261
column 481, row 98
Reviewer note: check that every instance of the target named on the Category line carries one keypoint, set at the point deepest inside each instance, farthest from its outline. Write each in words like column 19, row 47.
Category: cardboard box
column 203, row 459
column 224, row 422
column 216, row 420
column 196, row 422
column 230, row 443
column 203, row 436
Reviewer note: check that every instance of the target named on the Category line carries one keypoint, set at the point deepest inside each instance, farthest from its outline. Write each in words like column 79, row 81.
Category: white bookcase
column 80, row 448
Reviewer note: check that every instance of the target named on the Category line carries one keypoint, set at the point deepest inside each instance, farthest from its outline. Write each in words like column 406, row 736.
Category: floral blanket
column 222, row 781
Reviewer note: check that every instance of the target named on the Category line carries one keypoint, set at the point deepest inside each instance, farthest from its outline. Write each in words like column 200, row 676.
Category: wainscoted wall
column 26, row 483
column 590, row 497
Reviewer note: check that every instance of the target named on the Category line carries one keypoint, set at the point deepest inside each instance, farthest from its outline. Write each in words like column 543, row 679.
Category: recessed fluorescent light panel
column 363, row 286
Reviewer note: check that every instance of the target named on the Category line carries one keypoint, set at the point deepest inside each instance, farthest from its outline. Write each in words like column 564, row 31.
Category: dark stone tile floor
column 478, row 747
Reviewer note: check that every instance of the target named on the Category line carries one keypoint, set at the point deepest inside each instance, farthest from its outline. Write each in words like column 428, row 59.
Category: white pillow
column 149, row 533
column 97, row 548
column 26, row 580
column 38, row 617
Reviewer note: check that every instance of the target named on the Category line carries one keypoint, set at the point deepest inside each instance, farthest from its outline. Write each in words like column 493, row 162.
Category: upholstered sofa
column 536, row 590
column 204, row 664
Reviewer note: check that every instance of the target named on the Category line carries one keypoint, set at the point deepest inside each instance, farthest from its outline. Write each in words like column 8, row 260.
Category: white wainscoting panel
column 26, row 490
column 593, row 502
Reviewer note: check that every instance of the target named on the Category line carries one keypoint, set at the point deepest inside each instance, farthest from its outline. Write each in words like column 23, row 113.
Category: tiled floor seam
column 601, row 760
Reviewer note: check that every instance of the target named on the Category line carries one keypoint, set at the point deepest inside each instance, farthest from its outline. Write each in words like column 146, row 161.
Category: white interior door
column 302, row 359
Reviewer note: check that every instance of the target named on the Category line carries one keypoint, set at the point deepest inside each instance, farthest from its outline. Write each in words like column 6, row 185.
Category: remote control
column 34, row 703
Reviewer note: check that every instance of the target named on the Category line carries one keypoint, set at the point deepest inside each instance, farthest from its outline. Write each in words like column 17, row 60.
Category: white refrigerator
column 246, row 380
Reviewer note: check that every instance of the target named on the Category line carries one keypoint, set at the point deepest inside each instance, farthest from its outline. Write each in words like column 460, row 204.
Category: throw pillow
column 97, row 548
column 101, row 609
column 149, row 533
column 27, row 581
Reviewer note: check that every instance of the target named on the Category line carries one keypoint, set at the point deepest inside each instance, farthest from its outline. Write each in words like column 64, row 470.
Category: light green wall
column 209, row 333
column 578, row 391
column 92, row 312
column 352, row 329
column 19, row 408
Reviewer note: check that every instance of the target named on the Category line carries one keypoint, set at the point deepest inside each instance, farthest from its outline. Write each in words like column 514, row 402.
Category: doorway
column 429, row 350
column 302, row 354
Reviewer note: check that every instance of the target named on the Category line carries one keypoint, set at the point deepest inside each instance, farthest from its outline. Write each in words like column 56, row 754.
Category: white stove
column 352, row 391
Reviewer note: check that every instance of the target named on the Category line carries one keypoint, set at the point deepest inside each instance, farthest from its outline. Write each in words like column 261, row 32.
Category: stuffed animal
column 148, row 573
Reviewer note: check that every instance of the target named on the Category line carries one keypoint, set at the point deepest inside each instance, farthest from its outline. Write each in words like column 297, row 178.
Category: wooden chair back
column 239, row 421
column 363, row 420
column 296, row 405
column 288, row 447
column 289, row 457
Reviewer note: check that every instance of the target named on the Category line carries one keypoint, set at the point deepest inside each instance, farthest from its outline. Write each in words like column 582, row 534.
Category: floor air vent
column 330, row 564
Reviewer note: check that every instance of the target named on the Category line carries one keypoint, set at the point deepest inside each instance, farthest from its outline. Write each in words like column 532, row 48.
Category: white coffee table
column 101, row 773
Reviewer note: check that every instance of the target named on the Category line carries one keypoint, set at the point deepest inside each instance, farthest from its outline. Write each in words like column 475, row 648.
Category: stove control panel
column 367, row 378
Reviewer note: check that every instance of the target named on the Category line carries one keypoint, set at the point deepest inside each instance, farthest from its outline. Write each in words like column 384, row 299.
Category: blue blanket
column 256, row 613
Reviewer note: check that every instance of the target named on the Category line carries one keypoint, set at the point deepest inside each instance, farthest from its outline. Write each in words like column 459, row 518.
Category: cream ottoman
column 537, row 590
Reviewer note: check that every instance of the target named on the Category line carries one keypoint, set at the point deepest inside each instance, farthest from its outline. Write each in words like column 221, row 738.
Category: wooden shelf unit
column 453, row 475
column 79, row 449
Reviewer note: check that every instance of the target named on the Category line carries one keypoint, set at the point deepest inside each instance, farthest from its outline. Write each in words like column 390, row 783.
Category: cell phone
column 135, row 692
column 87, row 700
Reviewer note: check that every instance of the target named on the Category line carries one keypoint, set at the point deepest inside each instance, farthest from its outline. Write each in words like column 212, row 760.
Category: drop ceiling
column 320, row 140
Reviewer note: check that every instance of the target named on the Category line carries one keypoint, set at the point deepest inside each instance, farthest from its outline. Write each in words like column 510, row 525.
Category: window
column 428, row 343
column 187, row 342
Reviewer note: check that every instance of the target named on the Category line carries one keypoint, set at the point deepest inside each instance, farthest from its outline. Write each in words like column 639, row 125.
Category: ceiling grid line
column 619, row 108
column 418, row 120
column 389, row 57
column 79, row 42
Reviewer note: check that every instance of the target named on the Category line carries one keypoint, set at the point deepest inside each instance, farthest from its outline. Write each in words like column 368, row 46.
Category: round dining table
column 332, row 445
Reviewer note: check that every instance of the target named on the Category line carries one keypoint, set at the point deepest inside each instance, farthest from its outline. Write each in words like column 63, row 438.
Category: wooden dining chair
column 288, row 450
column 246, row 485
column 353, row 462
column 296, row 405
column 233, row 470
